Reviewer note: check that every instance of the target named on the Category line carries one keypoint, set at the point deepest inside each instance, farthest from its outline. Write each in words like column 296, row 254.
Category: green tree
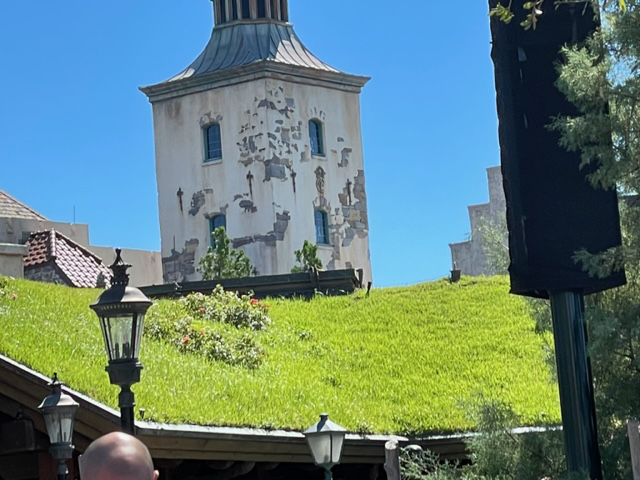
column 223, row 261
column 307, row 258
column 503, row 10
column 602, row 79
column 494, row 240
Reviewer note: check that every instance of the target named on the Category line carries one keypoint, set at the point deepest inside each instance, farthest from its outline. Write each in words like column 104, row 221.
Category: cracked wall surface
column 267, row 183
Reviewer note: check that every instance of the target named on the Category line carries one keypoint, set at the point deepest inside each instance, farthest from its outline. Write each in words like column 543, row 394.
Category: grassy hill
column 403, row 360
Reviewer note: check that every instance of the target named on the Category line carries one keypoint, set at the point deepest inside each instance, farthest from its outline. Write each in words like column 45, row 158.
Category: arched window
column 246, row 10
column 212, row 143
column 215, row 222
column 316, row 137
column 321, row 221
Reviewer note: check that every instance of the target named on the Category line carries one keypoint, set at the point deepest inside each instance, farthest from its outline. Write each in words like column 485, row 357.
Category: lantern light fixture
column 325, row 439
column 58, row 410
column 121, row 310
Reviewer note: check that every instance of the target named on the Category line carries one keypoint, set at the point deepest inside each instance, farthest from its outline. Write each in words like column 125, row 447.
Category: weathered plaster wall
column 469, row 256
column 11, row 259
column 268, row 182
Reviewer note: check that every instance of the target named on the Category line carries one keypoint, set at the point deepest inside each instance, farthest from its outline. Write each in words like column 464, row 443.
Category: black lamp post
column 58, row 410
column 121, row 310
column 325, row 439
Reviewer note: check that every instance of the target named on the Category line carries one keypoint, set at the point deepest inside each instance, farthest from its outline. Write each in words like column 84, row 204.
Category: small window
column 223, row 11
column 234, row 10
column 246, row 11
column 316, row 137
column 215, row 222
column 283, row 11
column 322, row 227
column 212, row 143
column 262, row 9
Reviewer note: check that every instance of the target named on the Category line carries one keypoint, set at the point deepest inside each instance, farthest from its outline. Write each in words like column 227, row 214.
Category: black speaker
column 552, row 209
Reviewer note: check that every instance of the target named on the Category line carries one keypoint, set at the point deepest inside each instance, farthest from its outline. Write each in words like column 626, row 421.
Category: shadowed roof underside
column 246, row 43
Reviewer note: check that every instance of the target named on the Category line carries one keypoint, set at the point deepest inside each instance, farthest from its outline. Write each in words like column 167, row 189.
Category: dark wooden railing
column 331, row 282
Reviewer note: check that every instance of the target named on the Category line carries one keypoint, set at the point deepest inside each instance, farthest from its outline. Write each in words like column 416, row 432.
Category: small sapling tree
column 307, row 258
column 224, row 261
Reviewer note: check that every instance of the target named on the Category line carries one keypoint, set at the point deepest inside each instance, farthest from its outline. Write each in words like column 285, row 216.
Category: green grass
column 404, row 360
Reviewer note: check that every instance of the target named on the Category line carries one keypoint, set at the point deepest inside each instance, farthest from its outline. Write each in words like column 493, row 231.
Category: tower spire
column 227, row 11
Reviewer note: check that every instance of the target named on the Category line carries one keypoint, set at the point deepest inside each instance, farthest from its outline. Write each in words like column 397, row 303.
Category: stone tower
column 262, row 137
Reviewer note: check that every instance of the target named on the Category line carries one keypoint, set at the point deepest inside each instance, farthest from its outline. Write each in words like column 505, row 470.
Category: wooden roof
column 23, row 388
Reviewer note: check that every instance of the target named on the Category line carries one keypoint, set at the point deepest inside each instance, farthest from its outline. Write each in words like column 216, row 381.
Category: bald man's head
column 117, row 456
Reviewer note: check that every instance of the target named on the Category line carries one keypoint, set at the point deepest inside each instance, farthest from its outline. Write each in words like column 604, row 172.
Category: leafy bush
column 223, row 261
column 307, row 258
column 498, row 452
column 196, row 324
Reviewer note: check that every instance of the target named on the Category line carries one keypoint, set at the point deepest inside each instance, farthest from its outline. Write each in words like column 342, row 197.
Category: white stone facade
column 261, row 87
column 268, row 183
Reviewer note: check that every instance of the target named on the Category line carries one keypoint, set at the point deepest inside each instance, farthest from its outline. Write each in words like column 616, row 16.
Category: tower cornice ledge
column 255, row 71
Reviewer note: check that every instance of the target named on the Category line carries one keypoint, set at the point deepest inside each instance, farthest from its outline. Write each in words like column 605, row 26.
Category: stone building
column 470, row 256
column 260, row 136
column 18, row 222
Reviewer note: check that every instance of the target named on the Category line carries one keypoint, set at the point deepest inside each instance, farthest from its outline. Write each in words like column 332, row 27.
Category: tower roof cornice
column 238, row 51
column 245, row 73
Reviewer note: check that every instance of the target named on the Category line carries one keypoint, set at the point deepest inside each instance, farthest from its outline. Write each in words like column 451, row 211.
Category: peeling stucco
column 248, row 206
column 356, row 219
column 180, row 264
column 270, row 238
column 198, row 201
column 346, row 154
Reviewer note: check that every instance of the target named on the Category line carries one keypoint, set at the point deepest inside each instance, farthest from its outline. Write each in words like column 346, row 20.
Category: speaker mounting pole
column 576, row 383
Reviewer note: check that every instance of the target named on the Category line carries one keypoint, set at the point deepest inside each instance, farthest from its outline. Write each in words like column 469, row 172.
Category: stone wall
column 45, row 272
column 469, row 256
column 11, row 259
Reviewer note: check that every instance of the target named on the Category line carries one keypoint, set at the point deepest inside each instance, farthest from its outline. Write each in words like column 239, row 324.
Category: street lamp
column 58, row 410
column 121, row 310
column 325, row 439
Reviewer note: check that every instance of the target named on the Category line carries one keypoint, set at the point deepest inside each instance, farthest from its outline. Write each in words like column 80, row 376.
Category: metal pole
column 327, row 474
column 575, row 384
column 62, row 470
column 126, row 402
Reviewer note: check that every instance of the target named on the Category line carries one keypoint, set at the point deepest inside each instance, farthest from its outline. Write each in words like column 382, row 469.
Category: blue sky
column 76, row 134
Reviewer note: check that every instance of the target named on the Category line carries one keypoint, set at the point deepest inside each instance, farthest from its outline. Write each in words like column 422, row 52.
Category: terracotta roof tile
column 82, row 267
column 12, row 208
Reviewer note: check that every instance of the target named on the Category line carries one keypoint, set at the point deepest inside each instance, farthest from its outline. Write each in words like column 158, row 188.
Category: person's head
column 117, row 456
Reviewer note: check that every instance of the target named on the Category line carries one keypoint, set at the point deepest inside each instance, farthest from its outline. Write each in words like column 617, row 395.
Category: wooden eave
column 23, row 388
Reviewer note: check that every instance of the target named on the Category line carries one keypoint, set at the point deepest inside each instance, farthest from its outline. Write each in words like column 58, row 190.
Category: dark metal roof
column 242, row 43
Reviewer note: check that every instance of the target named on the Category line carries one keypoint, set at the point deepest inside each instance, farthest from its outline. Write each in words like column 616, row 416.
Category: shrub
column 222, row 326
column 307, row 258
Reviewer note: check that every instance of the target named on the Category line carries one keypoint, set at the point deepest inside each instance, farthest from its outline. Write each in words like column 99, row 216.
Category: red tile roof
column 12, row 208
column 79, row 265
